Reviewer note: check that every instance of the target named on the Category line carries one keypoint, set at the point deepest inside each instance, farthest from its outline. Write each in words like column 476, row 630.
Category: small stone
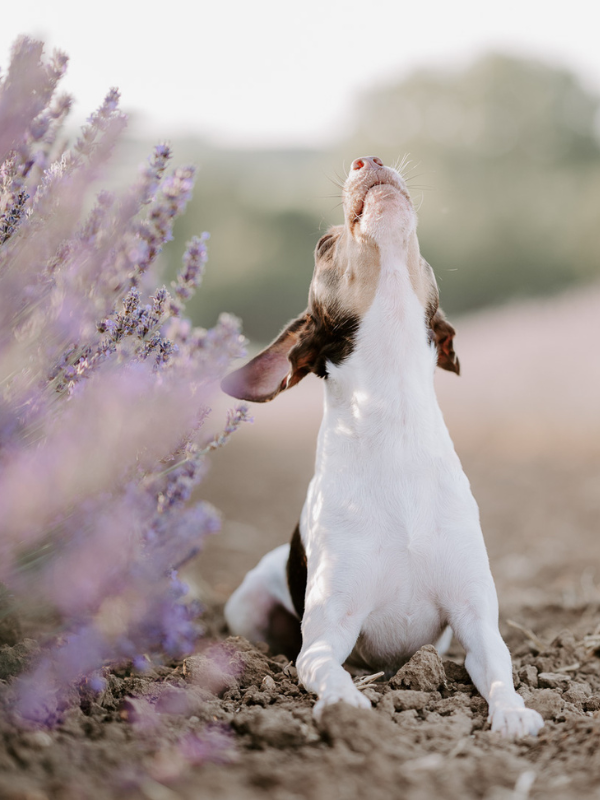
column 553, row 680
column 254, row 697
column 545, row 664
column 456, row 672
column 372, row 695
column 577, row 693
column 404, row 700
column 529, row 676
column 424, row 672
column 546, row 702
column 592, row 703
column 451, row 704
column 268, row 684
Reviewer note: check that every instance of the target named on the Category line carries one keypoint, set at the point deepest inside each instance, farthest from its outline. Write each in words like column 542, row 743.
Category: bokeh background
column 500, row 118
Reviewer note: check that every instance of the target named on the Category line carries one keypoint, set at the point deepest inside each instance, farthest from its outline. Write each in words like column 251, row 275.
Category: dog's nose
column 367, row 162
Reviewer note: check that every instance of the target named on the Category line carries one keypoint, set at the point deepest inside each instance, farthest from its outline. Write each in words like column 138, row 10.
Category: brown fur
column 443, row 335
column 296, row 572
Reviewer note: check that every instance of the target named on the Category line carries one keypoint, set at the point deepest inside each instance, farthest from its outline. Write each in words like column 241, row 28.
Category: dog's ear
column 443, row 336
column 280, row 366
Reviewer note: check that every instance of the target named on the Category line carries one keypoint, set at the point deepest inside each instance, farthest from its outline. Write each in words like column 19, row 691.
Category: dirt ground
column 232, row 722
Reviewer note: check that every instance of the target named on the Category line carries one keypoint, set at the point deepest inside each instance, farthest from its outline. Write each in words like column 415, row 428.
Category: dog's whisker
column 336, row 181
column 404, row 165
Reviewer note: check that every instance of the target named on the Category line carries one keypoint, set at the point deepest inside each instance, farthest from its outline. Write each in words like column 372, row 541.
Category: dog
column 389, row 549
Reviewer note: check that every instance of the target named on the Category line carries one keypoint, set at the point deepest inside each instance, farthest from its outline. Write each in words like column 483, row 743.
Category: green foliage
column 506, row 170
column 508, row 148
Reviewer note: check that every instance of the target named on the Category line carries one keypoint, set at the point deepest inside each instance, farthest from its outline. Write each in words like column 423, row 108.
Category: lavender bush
column 104, row 390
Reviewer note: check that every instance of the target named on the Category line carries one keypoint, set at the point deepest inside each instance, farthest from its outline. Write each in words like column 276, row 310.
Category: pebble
column 529, row 676
column 424, row 672
column 553, row 680
column 545, row 701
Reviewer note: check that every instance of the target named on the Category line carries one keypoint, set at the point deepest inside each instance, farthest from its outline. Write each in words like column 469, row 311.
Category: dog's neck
column 386, row 385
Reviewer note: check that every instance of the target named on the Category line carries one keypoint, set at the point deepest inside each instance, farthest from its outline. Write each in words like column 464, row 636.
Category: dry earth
column 232, row 722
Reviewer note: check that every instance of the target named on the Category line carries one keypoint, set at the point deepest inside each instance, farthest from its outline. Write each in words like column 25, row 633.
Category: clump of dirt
column 232, row 721
column 424, row 671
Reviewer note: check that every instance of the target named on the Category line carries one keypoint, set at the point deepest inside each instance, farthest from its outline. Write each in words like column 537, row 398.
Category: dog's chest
column 385, row 460
column 391, row 635
column 379, row 518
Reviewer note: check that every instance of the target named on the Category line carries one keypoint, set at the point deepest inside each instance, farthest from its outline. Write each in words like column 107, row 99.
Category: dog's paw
column 514, row 722
column 346, row 694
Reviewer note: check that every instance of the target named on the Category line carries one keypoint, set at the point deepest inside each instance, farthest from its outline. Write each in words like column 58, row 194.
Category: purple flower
column 105, row 388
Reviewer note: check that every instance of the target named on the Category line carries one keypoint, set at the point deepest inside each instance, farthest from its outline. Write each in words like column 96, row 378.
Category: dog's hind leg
column 261, row 608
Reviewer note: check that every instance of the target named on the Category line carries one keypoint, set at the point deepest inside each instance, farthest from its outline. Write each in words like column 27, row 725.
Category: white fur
column 390, row 527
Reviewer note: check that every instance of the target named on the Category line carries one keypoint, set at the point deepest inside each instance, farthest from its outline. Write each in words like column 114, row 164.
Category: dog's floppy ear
column 280, row 366
column 443, row 336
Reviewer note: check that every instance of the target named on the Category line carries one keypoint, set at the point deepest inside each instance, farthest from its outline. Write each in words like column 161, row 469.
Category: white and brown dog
column 389, row 548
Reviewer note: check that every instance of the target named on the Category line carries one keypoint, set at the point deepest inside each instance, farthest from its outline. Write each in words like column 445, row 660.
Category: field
column 524, row 417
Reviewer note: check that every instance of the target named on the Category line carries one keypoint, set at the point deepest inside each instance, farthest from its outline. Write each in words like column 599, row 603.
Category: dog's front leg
column 489, row 665
column 329, row 633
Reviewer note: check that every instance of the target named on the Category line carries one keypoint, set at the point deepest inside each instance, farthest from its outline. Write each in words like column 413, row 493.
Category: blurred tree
column 256, row 205
column 510, row 158
column 506, row 171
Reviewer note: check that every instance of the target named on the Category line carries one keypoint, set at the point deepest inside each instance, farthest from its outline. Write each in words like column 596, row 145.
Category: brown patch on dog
column 284, row 633
column 341, row 290
column 262, row 378
column 346, row 272
column 297, row 572
column 318, row 336
column 443, row 335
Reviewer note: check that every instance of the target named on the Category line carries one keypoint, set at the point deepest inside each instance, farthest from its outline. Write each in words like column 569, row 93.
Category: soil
column 231, row 721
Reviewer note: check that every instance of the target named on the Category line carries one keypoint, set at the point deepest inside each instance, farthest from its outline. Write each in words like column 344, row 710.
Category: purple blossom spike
column 105, row 387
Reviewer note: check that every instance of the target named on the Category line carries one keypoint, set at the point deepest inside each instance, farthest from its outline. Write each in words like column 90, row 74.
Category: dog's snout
column 367, row 162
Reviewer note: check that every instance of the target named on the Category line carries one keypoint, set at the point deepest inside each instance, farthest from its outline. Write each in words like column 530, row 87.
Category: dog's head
column 380, row 223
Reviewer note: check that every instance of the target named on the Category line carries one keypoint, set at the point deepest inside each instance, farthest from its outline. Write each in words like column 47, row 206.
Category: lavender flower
column 104, row 391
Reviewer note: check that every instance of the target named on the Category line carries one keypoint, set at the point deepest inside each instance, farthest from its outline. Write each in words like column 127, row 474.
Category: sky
column 274, row 73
